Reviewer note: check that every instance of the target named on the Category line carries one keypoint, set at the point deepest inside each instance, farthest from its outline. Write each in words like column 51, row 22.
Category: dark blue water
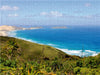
column 71, row 40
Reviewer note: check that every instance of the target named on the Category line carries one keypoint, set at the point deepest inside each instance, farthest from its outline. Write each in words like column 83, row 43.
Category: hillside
column 32, row 50
column 20, row 57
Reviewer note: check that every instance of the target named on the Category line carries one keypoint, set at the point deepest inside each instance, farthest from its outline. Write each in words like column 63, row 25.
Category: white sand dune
column 5, row 28
column 3, row 33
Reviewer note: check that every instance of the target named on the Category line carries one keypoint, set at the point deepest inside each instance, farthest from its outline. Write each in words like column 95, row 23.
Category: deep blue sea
column 82, row 41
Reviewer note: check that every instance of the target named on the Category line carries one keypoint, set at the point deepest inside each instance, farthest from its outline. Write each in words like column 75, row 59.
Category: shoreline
column 12, row 33
column 67, row 51
column 5, row 29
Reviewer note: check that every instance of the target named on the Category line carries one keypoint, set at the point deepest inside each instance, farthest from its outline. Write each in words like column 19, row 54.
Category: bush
column 10, row 63
column 77, row 70
column 79, row 63
column 91, row 62
column 48, row 69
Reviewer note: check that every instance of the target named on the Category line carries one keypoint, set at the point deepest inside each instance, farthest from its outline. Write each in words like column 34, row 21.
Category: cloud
column 63, row 15
column 47, row 14
column 44, row 13
column 12, row 15
column 91, row 16
column 6, row 7
column 58, row 14
column 87, row 4
column 78, row 11
column 52, row 14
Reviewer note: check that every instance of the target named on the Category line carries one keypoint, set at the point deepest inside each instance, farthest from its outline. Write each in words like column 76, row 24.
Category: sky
column 50, row 12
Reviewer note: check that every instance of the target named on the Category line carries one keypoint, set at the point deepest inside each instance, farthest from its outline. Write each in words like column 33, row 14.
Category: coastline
column 12, row 33
column 5, row 29
column 67, row 51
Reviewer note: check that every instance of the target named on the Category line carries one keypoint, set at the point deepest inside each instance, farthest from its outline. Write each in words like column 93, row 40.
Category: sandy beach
column 3, row 33
column 4, row 29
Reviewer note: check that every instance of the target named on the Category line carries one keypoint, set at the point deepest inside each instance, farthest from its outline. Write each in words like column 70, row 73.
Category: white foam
column 51, row 44
column 27, row 39
column 80, row 53
column 12, row 33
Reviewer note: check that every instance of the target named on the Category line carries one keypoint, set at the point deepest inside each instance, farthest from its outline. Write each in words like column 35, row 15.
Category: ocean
column 79, row 40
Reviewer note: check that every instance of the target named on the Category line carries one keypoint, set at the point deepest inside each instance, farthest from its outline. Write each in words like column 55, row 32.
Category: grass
column 31, row 50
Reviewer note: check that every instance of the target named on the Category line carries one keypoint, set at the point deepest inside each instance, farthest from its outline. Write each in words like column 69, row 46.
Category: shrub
column 90, row 62
column 77, row 70
column 10, row 63
column 79, row 63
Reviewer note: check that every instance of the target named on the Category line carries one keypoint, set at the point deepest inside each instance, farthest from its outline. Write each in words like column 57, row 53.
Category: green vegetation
column 20, row 57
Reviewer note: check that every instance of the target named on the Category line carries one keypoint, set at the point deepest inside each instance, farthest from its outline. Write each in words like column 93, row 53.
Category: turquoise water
column 71, row 40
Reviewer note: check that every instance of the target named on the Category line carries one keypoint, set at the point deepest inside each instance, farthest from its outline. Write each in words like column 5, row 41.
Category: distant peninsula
column 64, row 27
column 4, row 29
